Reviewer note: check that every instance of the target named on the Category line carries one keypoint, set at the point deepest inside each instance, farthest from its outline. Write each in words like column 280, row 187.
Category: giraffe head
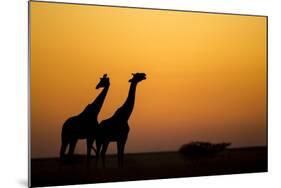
column 104, row 82
column 137, row 77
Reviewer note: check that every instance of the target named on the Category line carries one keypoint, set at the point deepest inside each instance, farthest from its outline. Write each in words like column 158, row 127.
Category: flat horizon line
column 158, row 152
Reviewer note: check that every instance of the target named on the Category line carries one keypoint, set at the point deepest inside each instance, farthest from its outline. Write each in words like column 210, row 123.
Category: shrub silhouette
column 197, row 149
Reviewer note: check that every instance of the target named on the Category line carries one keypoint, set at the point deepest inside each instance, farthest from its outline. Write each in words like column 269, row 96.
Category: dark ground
column 144, row 166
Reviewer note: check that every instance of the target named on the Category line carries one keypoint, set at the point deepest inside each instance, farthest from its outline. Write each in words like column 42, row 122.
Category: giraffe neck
column 126, row 109
column 96, row 105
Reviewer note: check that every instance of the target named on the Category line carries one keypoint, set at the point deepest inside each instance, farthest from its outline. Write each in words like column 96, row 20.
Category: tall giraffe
column 116, row 128
column 84, row 125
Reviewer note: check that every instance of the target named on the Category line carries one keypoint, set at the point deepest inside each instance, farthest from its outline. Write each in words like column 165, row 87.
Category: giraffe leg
column 119, row 152
column 103, row 151
column 62, row 149
column 122, row 148
column 98, row 144
column 90, row 142
column 72, row 148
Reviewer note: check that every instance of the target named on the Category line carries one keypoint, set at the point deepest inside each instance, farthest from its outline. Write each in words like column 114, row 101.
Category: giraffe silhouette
column 84, row 125
column 116, row 128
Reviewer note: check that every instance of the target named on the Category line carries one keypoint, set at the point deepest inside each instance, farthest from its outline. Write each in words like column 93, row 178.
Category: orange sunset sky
column 206, row 74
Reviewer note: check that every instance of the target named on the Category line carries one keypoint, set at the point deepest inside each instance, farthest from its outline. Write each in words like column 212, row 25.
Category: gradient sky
column 206, row 74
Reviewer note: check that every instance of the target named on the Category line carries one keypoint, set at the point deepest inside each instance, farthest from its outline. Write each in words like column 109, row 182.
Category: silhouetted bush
column 202, row 149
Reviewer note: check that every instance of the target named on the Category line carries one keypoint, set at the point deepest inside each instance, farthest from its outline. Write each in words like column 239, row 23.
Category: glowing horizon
column 206, row 74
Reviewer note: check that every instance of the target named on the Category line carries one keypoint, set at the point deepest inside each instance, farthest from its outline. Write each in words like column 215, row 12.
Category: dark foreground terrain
column 47, row 172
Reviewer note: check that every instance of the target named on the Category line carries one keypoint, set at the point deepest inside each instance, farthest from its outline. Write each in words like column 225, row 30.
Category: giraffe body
column 83, row 125
column 116, row 128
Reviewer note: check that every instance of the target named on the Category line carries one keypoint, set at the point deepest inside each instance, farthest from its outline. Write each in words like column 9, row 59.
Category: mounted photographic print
column 122, row 94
